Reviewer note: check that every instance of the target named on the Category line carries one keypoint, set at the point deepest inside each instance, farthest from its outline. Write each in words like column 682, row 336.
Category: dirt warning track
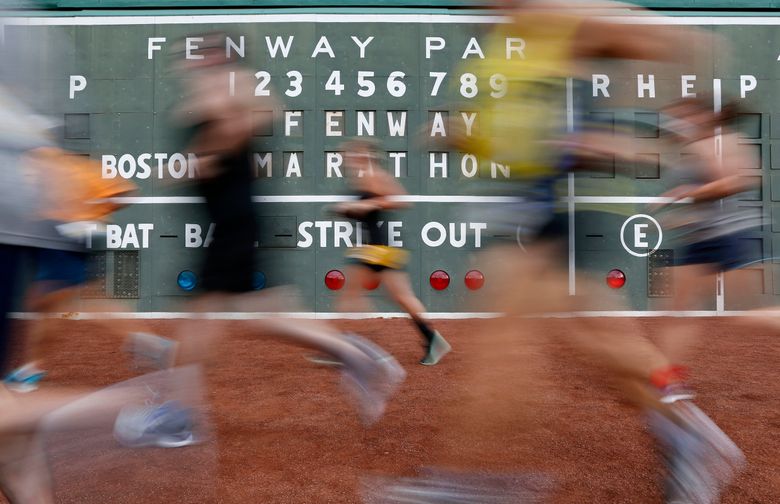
column 284, row 432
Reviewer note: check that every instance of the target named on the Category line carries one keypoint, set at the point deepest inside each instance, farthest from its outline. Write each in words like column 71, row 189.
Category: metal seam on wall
column 313, row 198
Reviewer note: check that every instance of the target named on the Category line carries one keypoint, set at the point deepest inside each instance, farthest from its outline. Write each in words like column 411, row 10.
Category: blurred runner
column 222, row 124
column 45, row 209
column 525, row 131
column 77, row 203
column 711, row 229
column 25, row 189
column 376, row 262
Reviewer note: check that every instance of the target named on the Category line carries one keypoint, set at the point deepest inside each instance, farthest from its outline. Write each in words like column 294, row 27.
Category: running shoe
column 700, row 458
column 372, row 389
column 731, row 457
column 677, row 391
column 24, row 379
column 369, row 348
column 391, row 371
column 324, row 360
column 436, row 350
column 445, row 487
column 167, row 425
column 151, row 351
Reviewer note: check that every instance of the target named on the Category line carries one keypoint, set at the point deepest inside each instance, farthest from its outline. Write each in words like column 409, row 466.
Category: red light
column 474, row 280
column 440, row 280
column 371, row 283
column 334, row 280
column 616, row 279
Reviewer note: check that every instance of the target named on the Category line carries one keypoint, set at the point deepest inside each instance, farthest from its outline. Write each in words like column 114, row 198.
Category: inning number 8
column 468, row 85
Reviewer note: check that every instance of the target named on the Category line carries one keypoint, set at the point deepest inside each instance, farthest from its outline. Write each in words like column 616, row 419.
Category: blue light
column 187, row 280
column 258, row 280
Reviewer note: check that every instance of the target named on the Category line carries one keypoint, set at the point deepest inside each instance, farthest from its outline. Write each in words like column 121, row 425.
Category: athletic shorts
column 379, row 257
column 228, row 270
column 724, row 253
column 60, row 268
column 556, row 229
column 555, row 234
column 376, row 268
column 10, row 261
column 229, row 265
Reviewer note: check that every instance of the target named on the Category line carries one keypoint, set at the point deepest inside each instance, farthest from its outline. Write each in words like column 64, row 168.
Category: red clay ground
column 284, row 433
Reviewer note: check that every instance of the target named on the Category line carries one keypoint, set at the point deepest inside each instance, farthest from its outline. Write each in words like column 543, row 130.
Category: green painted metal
column 123, row 111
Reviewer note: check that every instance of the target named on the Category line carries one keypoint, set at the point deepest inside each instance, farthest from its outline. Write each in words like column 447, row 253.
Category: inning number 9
column 498, row 84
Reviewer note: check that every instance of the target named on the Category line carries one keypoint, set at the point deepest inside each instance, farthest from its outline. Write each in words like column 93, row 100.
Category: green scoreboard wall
column 339, row 75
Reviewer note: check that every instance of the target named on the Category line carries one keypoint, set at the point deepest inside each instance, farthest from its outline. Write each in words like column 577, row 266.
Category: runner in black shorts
column 229, row 263
column 711, row 229
column 710, row 226
column 222, row 126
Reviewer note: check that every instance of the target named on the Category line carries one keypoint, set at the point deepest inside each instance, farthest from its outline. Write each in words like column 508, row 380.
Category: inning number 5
column 367, row 87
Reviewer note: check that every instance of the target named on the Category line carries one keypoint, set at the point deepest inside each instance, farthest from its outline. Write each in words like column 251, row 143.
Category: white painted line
column 310, row 198
column 663, row 313
column 629, row 199
column 319, row 198
column 717, row 104
column 252, row 19
column 617, row 16
column 335, row 198
column 570, row 191
column 375, row 315
column 697, row 21
column 455, row 199
column 632, row 314
column 242, row 315
column 152, row 200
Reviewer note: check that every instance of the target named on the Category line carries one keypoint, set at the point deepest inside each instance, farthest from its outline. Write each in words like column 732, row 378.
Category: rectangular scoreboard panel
column 400, row 78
